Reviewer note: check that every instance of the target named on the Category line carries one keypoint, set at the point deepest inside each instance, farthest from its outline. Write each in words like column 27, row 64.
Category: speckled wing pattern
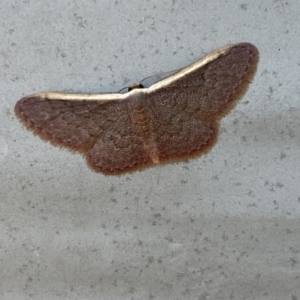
column 72, row 124
column 173, row 119
column 192, row 102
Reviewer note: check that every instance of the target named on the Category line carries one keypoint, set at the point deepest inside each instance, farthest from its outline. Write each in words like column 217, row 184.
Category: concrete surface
column 223, row 226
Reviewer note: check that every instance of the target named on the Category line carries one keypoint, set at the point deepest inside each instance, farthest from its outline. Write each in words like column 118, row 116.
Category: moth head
column 135, row 86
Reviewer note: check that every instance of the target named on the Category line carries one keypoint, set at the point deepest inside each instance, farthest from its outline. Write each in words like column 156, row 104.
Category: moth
column 174, row 119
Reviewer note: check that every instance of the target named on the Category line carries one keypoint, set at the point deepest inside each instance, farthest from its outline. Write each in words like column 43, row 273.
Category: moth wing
column 209, row 87
column 119, row 149
column 70, row 120
column 179, row 135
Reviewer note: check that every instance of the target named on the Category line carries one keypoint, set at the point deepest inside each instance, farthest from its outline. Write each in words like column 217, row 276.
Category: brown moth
column 174, row 119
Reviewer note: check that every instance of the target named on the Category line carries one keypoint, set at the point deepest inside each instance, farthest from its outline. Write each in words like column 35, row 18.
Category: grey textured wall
column 223, row 226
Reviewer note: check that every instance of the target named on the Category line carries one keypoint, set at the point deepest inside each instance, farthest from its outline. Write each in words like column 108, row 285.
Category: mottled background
column 223, row 226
